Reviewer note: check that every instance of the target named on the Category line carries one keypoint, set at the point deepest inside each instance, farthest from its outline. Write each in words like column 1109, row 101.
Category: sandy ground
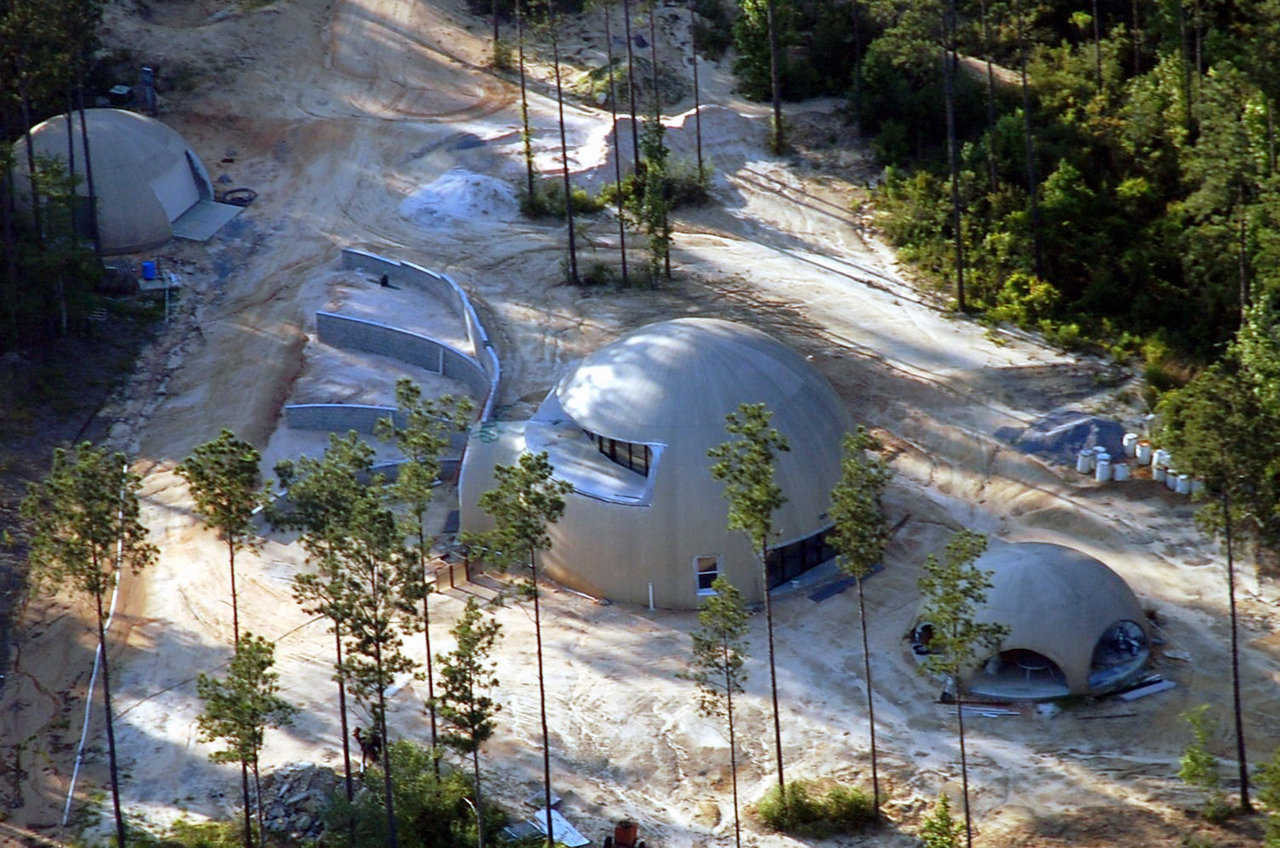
column 334, row 113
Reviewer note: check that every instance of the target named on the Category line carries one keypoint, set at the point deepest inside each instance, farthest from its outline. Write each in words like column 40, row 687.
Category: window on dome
column 707, row 568
column 629, row 455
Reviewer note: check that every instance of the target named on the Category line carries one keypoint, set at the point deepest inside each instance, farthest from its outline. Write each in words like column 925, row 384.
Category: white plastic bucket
column 1184, row 484
column 1157, row 473
column 1102, row 471
column 1142, row 452
column 1162, row 458
column 1130, row 444
column 1171, row 479
column 1120, row 471
column 1084, row 461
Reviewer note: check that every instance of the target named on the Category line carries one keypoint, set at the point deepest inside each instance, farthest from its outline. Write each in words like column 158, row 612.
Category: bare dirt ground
column 335, row 112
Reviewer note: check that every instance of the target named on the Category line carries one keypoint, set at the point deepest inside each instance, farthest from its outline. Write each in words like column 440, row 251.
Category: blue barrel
column 148, row 270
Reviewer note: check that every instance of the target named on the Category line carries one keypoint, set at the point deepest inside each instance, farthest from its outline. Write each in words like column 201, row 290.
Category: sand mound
column 460, row 194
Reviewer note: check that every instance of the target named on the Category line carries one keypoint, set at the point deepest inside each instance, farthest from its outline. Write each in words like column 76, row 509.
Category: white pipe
column 97, row 661
column 650, row 596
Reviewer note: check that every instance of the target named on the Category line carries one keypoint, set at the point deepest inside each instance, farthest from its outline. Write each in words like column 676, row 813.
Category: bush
column 429, row 812
column 940, row 830
column 842, row 809
column 547, row 200
column 1199, row 767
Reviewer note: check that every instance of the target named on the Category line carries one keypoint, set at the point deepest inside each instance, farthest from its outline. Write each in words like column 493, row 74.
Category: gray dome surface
column 674, row 382
column 1057, row 602
column 144, row 174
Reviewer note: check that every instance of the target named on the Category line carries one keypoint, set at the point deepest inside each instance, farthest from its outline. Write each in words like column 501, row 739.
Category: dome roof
column 673, row 382
column 144, row 174
column 1055, row 601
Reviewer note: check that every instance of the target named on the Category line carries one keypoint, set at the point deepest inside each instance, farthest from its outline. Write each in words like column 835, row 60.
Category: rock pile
column 294, row 797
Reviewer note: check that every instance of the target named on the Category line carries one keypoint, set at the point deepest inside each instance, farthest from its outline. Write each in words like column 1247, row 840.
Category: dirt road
column 335, row 112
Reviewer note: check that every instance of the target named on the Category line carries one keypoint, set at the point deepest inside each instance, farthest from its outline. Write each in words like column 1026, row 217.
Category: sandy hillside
column 338, row 112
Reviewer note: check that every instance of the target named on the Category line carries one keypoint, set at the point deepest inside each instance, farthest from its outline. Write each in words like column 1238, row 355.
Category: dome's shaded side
column 1055, row 602
column 144, row 174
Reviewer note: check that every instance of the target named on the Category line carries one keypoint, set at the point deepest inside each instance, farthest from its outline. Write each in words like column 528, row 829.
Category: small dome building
column 144, row 175
column 629, row 427
column 1075, row 626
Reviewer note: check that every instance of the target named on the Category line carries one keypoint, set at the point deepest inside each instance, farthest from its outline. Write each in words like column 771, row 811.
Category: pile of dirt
column 460, row 195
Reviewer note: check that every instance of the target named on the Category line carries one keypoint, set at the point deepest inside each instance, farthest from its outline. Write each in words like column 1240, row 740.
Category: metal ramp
column 202, row 220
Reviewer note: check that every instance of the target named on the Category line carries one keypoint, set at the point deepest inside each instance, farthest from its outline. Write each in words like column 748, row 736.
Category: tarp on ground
column 561, row 830
column 1060, row 435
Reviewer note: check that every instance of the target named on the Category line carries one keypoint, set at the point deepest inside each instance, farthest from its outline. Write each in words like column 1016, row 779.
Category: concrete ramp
column 202, row 220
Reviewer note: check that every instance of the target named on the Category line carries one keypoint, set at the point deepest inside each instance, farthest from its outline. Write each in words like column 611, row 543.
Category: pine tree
column 940, row 830
column 224, row 480
column 716, row 667
column 85, row 527
column 617, row 147
column 564, row 146
column 953, row 588
column 525, row 500
column 745, row 466
column 861, row 534
column 422, row 440
column 318, row 505
column 466, row 678
column 237, row 710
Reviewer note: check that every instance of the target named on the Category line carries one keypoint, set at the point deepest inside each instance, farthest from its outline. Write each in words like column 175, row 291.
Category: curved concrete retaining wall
column 454, row 363
column 341, row 417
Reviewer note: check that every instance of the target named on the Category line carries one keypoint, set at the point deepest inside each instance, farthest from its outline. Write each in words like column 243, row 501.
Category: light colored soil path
column 334, row 113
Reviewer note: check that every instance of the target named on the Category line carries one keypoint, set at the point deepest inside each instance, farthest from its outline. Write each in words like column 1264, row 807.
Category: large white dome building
column 630, row 425
column 1075, row 626
column 144, row 175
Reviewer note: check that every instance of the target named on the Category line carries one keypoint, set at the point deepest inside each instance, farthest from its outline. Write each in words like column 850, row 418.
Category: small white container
column 1161, row 458
column 1184, row 484
column 1142, row 452
column 1120, row 471
column 1084, row 461
column 1171, row 479
column 1102, row 470
column 1130, row 444
column 1157, row 473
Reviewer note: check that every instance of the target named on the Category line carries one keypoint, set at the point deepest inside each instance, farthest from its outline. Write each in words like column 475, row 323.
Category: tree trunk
column 871, row 707
column 475, row 769
column 342, row 716
column 564, row 149
column 111, row 732
column 1033, row 188
column 524, row 100
column 733, row 751
column 10, row 242
column 964, row 769
column 631, row 86
column 657, row 116
column 495, row 33
column 1245, row 804
column 1186, row 68
column 426, row 637
column 248, row 807
column 857, row 66
column 88, row 176
column 1137, row 39
column 617, row 148
column 697, row 106
column 773, row 673
column 257, row 801
column 778, row 141
column 953, row 155
column 991, row 95
column 235, row 600
column 393, row 838
column 1097, row 44
column 31, row 171
column 542, row 701
column 1245, row 294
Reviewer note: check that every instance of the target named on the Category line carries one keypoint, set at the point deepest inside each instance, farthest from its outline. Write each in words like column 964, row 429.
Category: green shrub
column 1025, row 299
column 841, row 809
column 939, row 829
column 547, row 200
column 186, row 834
column 1199, row 767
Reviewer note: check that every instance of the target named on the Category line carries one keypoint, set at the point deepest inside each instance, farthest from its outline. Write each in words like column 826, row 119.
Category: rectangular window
column 707, row 569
